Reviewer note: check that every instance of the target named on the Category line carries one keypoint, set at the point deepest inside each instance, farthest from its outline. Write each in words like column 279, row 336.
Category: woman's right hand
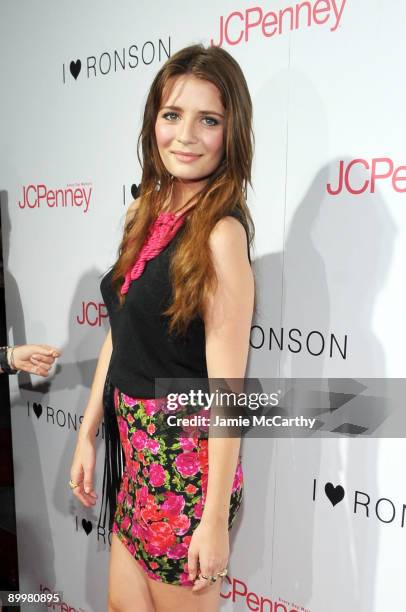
column 34, row 358
column 82, row 470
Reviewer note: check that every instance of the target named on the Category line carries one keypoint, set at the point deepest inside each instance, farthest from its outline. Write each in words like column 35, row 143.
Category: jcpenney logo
column 117, row 60
column 237, row 27
column 63, row 606
column 235, row 590
column 351, row 175
column 382, row 509
column 73, row 196
column 64, row 419
column 92, row 313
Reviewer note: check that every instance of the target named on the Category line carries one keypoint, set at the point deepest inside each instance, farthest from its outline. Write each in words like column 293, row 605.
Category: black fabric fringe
column 114, row 462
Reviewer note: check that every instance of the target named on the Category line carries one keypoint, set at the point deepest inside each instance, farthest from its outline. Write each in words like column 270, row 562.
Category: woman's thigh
column 128, row 583
column 170, row 597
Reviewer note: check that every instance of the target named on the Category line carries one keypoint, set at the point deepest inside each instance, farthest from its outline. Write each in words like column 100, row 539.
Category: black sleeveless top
column 143, row 349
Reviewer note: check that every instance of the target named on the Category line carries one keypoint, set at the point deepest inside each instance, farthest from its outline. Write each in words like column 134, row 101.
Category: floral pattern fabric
column 163, row 489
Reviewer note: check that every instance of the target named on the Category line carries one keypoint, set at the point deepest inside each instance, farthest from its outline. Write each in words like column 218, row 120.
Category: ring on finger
column 211, row 578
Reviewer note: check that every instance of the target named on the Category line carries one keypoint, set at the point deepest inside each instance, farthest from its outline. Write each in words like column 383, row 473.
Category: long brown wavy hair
column 191, row 270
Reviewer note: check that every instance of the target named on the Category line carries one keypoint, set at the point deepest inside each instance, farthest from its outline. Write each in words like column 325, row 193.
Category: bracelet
column 11, row 359
column 7, row 366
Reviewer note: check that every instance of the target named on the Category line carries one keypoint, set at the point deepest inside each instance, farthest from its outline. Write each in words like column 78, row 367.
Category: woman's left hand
column 209, row 551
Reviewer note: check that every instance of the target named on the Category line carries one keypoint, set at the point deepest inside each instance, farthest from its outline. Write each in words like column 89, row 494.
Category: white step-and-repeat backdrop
column 329, row 202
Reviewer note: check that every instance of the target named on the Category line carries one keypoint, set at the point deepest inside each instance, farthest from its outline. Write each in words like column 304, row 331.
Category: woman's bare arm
column 84, row 458
column 94, row 410
column 228, row 317
column 93, row 413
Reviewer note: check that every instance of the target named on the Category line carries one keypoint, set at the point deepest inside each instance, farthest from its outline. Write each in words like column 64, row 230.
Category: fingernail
column 87, row 489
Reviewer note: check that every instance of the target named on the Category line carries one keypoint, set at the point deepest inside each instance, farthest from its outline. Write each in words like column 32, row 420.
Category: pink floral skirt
column 163, row 490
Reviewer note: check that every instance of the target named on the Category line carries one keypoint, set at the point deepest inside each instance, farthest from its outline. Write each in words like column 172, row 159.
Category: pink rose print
column 153, row 518
column 150, row 513
column 142, row 495
column 153, row 446
column 198, row 510
column 173, row 504
column 180, row 524
column 191, row 431
column 135, row 530
column 133, row 467
column 151, row 407
column 184, row 579
column 123, row 428
column 177, row 552
column 139, row 439
column 187, row 444
column 238, row 478
column 161, row 538
column 125, row 523
column 143, row 564
column 187, row 464
column 153, row 576
column 146, row 569
column 129, row 401
column 156, row 475
column 204, row 455
column 205, row 482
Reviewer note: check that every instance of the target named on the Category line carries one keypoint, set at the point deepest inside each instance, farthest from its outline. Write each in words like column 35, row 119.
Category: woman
column 180, row 300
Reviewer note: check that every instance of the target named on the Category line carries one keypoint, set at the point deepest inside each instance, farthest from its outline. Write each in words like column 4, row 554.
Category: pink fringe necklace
column 161, row 232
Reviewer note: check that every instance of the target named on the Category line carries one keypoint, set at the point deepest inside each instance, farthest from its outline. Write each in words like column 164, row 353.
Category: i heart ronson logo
column 334, row 494
column 237, row 27
column 93, row 529
column 58, row 417
column 75, row 68
column 365, row 505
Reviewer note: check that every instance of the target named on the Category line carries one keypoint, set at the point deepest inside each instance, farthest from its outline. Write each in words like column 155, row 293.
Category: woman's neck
column 180, row 193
